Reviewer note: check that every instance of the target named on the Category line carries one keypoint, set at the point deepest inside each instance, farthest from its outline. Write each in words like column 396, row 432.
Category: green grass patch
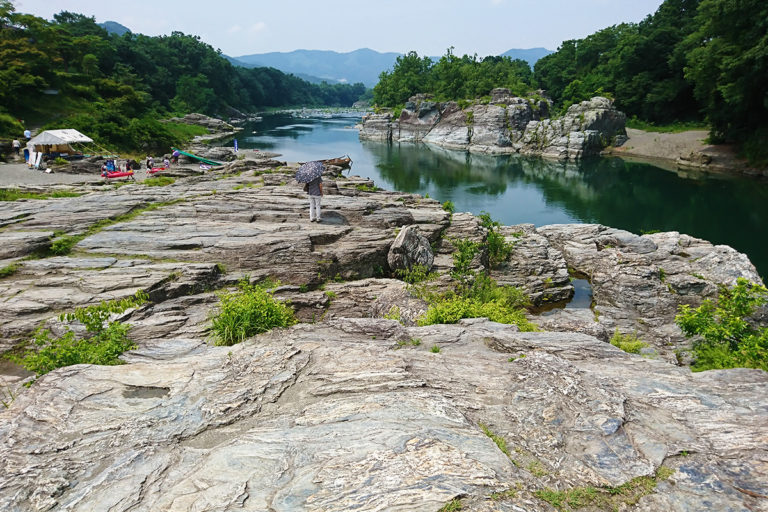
column 185, row 131
column 500, row 442
column 604, row 498
column 9, row 270
column 627, row 342
column 364, row 187
column 159, row 181
column 249, row 311
column 451, row 506
column 14, row 194
column 103, row 343
column 678, row 127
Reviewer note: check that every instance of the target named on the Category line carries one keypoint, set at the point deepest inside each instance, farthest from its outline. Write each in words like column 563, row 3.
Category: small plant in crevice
column 449, row 207
column 499, row 250
column 393, row 314
column 629, row 343
column 9, row 270
column 605, row 498
column 452, row 506
column 249, row 311
column 435, row 349
column 103, row 343
column 416, row 274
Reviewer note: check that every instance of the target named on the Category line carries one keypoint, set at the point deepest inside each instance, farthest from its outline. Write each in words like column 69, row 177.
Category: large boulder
column 410, row 248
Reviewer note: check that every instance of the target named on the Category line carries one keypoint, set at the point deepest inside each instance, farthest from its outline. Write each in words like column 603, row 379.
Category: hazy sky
column 241, row 27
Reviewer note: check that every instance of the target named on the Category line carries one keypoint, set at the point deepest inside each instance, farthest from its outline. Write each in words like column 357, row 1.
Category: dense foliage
column 725, row 337
column 114, row 88
column 692, row 60
column 450, row 78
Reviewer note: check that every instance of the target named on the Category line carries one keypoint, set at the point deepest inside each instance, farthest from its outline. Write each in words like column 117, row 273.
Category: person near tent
column 16, row 146
column 166, row 162
column 175, row 156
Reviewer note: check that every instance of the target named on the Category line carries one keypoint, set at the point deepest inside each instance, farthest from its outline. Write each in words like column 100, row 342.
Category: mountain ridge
column 361, row 65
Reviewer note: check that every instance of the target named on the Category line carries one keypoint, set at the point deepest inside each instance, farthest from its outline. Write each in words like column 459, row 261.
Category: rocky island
column 506, row 124
column 356, row 407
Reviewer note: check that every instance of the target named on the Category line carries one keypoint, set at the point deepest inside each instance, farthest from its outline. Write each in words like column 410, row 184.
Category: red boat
column 118, row 174
column 155, row 169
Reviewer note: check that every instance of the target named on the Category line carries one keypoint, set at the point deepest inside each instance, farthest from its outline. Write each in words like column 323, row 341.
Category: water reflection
column 513, row 189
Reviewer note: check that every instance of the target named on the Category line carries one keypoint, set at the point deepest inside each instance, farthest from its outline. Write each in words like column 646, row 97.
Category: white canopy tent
column 58, row 138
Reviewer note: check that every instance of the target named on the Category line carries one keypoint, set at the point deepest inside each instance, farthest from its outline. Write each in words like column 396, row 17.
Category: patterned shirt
column 313, row 187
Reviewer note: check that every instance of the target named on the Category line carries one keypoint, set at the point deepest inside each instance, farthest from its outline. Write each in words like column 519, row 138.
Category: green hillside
column 71, row 72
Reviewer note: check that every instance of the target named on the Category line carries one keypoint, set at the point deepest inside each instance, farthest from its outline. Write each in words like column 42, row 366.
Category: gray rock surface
column 409, row 249
column 507, row 125
column 337, row 416
column 354, row 408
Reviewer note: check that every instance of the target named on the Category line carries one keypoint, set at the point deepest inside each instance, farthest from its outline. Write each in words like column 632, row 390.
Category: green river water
column 513, row 189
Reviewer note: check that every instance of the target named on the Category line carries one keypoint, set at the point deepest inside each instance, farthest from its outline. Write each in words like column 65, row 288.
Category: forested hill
column 704, row 60
column 116, row 87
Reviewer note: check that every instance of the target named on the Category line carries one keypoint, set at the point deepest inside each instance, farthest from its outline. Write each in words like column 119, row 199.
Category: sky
column 429, row 27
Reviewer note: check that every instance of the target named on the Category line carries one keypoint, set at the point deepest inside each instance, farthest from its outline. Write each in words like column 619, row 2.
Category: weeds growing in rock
column 14, row 194
column 627, row 342
column 393, row 314
column 449, row 207
column 249, row 311
column 9, row 270
column 724, row 337
column 500, row 442
column 452, row 506
column 604, row 498
column 103, row 344
column 435, row 349
column 7, row 396
column 416, row 274
column 159, row 181
column 499, row 250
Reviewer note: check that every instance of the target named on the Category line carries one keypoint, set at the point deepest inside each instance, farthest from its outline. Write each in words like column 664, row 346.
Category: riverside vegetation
column 692, row 61
column 115, row 88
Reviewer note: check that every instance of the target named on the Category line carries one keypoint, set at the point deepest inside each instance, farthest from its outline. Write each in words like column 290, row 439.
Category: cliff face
column 506, row 125
column 350, row 410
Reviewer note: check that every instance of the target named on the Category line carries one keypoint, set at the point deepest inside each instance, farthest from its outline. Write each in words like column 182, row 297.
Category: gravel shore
column 17, row 174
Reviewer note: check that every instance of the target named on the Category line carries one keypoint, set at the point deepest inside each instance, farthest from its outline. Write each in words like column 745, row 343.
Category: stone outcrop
column 409, row 249
column 506, row 125
column 349, row 414
column 348, row 409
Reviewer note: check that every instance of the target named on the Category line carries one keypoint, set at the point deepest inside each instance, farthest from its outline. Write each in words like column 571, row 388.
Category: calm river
column 515, row 189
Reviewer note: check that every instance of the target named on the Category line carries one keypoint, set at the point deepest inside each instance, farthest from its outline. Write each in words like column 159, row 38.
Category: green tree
column 727, row 63
column 725, row 335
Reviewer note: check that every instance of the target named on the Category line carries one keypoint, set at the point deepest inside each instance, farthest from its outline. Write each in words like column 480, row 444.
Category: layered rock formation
column 350, row 410
column 506, row 125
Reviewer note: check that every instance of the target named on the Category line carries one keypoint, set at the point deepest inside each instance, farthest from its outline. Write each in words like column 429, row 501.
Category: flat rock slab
column 337, row 417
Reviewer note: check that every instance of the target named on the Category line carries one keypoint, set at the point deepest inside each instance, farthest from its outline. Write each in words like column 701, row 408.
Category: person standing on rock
column 150, row 162
column 315, row 191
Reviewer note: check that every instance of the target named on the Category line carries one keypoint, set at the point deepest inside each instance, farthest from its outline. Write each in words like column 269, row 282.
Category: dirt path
column 674, row 150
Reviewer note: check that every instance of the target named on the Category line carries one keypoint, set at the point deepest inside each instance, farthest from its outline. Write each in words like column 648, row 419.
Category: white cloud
column 258, row 27
column 234, row 29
